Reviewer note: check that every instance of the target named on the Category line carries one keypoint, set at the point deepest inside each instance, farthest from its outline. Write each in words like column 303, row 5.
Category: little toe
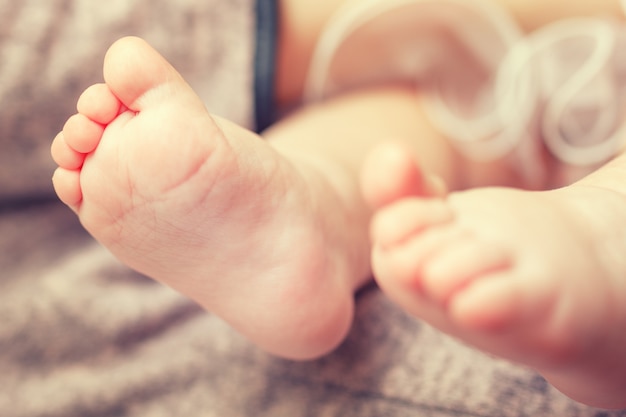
column 465, row 260
column 82, row 134
column 66, row 183
column 99, row 104
column 65, row 156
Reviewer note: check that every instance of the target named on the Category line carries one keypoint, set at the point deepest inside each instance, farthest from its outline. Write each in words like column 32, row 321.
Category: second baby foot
column 534, row 277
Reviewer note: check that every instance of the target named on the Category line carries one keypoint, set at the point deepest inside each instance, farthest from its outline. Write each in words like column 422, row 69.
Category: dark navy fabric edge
column 265, row 55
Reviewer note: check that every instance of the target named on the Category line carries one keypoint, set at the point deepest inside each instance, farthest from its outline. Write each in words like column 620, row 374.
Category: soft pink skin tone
column 535, row 277
column 204, row 206
column 273, row 235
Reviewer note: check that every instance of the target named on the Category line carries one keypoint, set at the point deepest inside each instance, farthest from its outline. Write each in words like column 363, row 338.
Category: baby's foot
column 204, row 206
column 535, row 277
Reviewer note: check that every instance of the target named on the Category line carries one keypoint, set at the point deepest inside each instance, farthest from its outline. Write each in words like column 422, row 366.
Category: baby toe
column 488, row 304
column 460, row 263
column 82, row 134
column 65, row 156
column 402, row 265
column 398, row 222
column 67, row 186
column 99, row 104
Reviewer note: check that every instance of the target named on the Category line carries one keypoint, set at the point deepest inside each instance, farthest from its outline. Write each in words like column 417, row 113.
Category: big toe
column 390, row 173
column 134, row 71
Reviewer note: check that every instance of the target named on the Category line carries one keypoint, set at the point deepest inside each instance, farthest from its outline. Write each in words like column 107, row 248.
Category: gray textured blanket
column 81, row 335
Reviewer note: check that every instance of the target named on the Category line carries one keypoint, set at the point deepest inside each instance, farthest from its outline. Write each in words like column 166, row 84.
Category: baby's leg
column 535, row 277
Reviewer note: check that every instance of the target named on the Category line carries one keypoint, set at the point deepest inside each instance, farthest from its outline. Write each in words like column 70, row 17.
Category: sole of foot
column 204, row 206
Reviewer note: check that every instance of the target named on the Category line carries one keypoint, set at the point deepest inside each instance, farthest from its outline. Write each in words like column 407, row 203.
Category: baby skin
column 538, row 278
column 207, row 207
column 275, row 240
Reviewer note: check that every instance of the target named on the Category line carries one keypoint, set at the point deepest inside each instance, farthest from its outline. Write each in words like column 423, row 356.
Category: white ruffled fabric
column 493, row 90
